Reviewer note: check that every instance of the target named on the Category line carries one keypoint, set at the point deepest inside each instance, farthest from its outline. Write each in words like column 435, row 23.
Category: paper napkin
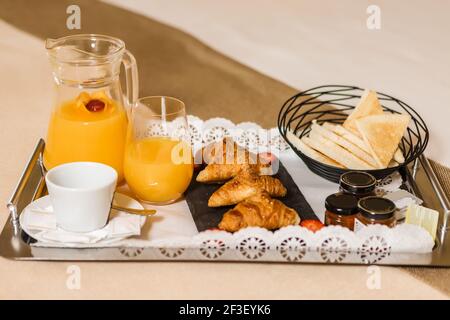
column 120, row 225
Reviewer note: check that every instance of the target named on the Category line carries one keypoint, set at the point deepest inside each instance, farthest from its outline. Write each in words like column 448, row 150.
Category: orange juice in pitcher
column 88, row 128
column 89, row 118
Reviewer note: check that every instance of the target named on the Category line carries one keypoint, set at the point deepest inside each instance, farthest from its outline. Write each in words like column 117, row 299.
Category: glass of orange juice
column 158, row 162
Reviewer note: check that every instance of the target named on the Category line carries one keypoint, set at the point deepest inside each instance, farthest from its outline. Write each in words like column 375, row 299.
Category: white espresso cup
column 81, row 194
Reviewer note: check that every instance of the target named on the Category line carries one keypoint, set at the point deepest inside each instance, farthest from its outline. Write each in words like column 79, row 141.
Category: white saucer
column 44, row 202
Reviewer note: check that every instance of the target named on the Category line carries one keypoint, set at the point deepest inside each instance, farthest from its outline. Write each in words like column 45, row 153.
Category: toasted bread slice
column 344, row 133
column 310, row 145
column 349, row 136
column 367, row 106
column 337, row 153
column 304, row 148
column 382, row 133
column 330, row 135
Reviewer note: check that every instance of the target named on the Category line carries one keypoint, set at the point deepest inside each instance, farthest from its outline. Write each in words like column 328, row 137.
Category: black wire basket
column 334, row 103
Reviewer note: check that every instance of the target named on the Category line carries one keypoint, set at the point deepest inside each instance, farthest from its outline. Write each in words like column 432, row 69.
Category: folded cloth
column 42, row 219
column 119, row 226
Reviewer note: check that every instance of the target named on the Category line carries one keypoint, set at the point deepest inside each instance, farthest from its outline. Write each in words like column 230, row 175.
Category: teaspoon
column 141, row 212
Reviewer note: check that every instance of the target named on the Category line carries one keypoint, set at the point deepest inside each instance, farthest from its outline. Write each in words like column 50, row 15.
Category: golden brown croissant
column 246, row 184
column 259, row 210
column 225, row 159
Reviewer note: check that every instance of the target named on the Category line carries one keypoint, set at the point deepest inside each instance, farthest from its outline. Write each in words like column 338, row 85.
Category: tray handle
column 36, row 158
column 441, row 195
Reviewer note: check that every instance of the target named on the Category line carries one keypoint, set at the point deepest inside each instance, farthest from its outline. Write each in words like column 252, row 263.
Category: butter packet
column 423, row 217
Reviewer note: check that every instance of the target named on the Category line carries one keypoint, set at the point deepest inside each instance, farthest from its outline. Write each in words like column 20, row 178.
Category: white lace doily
column 330, row 244
column 247, row 134
column 334, row 244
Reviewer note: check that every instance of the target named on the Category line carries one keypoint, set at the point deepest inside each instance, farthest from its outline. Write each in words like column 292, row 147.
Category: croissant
column 246, row 184
column 226, row 159
column 259, row 210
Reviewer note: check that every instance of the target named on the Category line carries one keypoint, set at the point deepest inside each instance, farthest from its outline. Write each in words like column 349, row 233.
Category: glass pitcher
column 89, row 117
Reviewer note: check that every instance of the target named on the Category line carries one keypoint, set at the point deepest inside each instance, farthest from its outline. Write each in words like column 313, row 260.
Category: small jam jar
column 358, row 183
column 341, row 210
column 375, row 210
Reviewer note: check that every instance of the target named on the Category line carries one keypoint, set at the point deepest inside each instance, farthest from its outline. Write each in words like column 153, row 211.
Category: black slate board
column 205, row 217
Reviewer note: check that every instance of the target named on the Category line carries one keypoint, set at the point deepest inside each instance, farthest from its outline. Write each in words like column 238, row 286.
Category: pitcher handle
column 131, row 78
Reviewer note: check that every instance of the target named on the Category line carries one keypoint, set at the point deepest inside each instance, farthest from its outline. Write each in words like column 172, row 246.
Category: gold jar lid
column 357, row 182
column 377, row 208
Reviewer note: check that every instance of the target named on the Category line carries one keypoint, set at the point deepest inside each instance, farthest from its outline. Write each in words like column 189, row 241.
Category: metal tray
column 419, row 178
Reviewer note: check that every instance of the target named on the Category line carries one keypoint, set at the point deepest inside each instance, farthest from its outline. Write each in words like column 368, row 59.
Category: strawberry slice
column 312, row 225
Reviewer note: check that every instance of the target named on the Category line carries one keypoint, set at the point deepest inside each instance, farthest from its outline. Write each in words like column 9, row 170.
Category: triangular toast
column 358, row 141
column 348, row 135
column 367, row 106
column 382, row 133
column 330, row 135
column 302, row 146
column 337, row 153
